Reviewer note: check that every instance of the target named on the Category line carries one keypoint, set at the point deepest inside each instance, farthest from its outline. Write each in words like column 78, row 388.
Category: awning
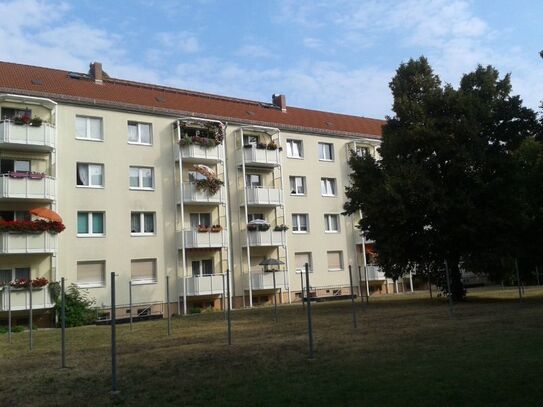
column 46, row 213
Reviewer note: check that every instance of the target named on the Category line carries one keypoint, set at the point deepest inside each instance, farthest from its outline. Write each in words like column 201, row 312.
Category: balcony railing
column 264, row 196
column 374, row 273
column 259, row 157
column 42, row 136
column 197, row 153
column 27, row 187
column 14, row 243
column 267, row 238
column 195, row 239
column 261, row 280
column 20, row 299
column 193, row 195
column 205, row 285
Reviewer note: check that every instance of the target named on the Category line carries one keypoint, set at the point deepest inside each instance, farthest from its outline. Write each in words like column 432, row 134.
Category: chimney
column 95, row 72
column 280, row 101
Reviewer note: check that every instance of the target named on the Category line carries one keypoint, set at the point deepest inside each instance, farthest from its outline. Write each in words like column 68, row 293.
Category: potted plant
column 210, row 185
column 271, row 145
column 203, row 228
column 252, row 228
column 216, row 228
column 280, row 228
column 261, row 146
column 263, row 227
column 36, row 122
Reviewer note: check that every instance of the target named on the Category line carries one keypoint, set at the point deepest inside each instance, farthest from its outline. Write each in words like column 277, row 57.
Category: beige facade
column 126, row 190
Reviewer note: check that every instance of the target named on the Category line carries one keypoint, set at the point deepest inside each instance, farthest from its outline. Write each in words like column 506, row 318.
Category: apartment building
column 153, row 183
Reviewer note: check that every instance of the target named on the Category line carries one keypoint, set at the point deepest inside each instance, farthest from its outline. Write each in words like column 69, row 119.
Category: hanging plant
column 209, row 185
column 207, row 134
column 31, row 226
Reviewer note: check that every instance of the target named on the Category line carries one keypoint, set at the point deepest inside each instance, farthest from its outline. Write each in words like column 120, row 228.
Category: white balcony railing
column 191, row 194
column 259, row 157
column 14, row 243
column 261, row 280
column 267, row 238
column 20, row 299
column 26, row 187
column 374, row 273
column 205, row 285
column 197, row 153
column 195, row 239
column 264, row 196
column 43, row 136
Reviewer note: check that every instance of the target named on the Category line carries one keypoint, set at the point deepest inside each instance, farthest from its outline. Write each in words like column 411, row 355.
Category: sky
column 332, row 55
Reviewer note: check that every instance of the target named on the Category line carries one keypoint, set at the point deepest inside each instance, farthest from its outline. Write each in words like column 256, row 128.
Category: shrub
column 79, row 309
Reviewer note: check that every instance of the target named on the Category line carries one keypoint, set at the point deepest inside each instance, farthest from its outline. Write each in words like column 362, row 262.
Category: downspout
column 228, row 216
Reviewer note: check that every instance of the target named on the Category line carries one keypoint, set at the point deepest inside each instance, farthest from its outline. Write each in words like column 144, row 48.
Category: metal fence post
column 30, row 318
column 130, row 301
column 223, row 295
column 302, row 289
column 518, row 281
column 309, row 323
column 352, row 295
column 449, row 289
column 9, row 313
column 367, row 284
column 274, row 298
column 228, row 309
column 168, row 305
column 113, row 337
column 62, row 323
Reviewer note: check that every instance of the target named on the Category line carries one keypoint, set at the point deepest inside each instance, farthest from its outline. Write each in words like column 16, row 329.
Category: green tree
column 442, row 190
column 79, row 309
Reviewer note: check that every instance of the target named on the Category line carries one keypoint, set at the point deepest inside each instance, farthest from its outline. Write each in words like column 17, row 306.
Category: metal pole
column 367, row 284
column 113, row 337
column 352, row 295
column 449, row 289
column 228, row 308
column 30, row 322
column 223, row 296
column 130, row 301
column 537, row 274
column 309, row 324
column 63, row 323
column 518, row 281
column 360, row 284
column 9, row 313
column 168, row 305
column 410, row 281
column 302, row 289
column 274, row 298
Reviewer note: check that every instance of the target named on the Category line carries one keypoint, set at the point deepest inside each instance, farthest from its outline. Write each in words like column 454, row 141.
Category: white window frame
column 97, row 284
column 138, row 132
column 294, row 191
column 89, row 166
column 328, row 223
column 140, row 186
column 142, row 281
column 255, row 216
column 362, row 151
column 250, row 183
column 296, row 222
column 142, row 223
column 201, row 268
column 88, row 128
column 299, row 271
column 341, row 261
column 325, row 182
column 90, row 215
column 290, row 149
column 13, row 271
column 324, row 158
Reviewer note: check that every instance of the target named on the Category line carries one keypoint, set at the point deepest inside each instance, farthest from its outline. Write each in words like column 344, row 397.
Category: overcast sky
column 334, row 55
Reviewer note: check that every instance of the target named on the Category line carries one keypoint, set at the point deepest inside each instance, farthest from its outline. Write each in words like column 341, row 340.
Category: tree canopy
column 445, row 187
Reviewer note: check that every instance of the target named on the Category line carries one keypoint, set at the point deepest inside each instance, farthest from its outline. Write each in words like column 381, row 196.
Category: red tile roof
column 63, row 87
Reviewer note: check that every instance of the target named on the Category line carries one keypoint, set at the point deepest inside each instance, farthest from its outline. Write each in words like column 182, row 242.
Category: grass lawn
column 406, row 351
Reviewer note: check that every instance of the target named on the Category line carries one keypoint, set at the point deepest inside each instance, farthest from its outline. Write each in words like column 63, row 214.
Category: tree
column 442, row 190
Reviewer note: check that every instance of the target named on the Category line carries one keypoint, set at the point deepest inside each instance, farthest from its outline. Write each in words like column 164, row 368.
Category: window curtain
column 132, row 132
column 134, row 177
column 81, row 127
column 96, row 129
column 23, row 272
column 145, row 133
column 83, row 174
column 149, row 223
column 295, row 149
column 135, row 224
column 5, row 276
column 207, row 267
column 95, row 174
column 147, row 177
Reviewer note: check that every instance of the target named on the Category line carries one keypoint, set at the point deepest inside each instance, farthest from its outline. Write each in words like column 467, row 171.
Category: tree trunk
column 457, row 288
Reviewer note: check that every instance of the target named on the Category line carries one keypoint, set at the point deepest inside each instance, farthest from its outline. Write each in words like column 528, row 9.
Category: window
column 90, row 175
column 141, row 178
column 140, row 133
column 335, row 260
column 11, row 113
column 142, row 223
column 253, row 181
column 255, row 216
column 14, row 215
column 328, row 186
column 88, row 128
column 331, row 223
column 250, row 140
column 297, row 185
column 197, row 219
column 326, row 152
column 143, row 271
column 362, row 151
column 195, row 176
column 301, row 259
column 7, row 166
column 295, row 149
column 90, row 223
column 300, row 223
column 11, row 274
column 202, row 267
column 91, row 274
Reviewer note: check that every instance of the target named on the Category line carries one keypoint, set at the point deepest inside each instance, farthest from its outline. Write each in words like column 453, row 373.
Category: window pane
column 95, row 175
column 22, row 166
column 296, row 149
column 91, row 273
column 82, row 222
column 82, row 174
column 147, row 176
column 294, row 222
column 323, row 186
column 5, row 276
column 289, row 148
column 332, row 186
column 195, row 268
column 301, row 259
column 81, row 127
column 97, row 222
column 205, row 219
column 207, row 266
column 135, row 223
column 144, row 270
column 149, row 223
column 23, row 272
column 133, row 132
column 334, row 261
column 134, row 177
column 145, row 133
column 95, row 128
column 303, row 222
column 300, row 185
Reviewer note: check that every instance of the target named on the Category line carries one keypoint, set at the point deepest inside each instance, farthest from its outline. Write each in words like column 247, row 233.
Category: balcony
column 191, row 195
column 257, row 157
column 202, row 240
column 202, row 155
column 375, row 273
column 205, row 285
column 27, row 186
column 24, row 136
column 266, row 238
column 261, row 280
column 20, row 299
column 15, row 243
column 264, row 197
